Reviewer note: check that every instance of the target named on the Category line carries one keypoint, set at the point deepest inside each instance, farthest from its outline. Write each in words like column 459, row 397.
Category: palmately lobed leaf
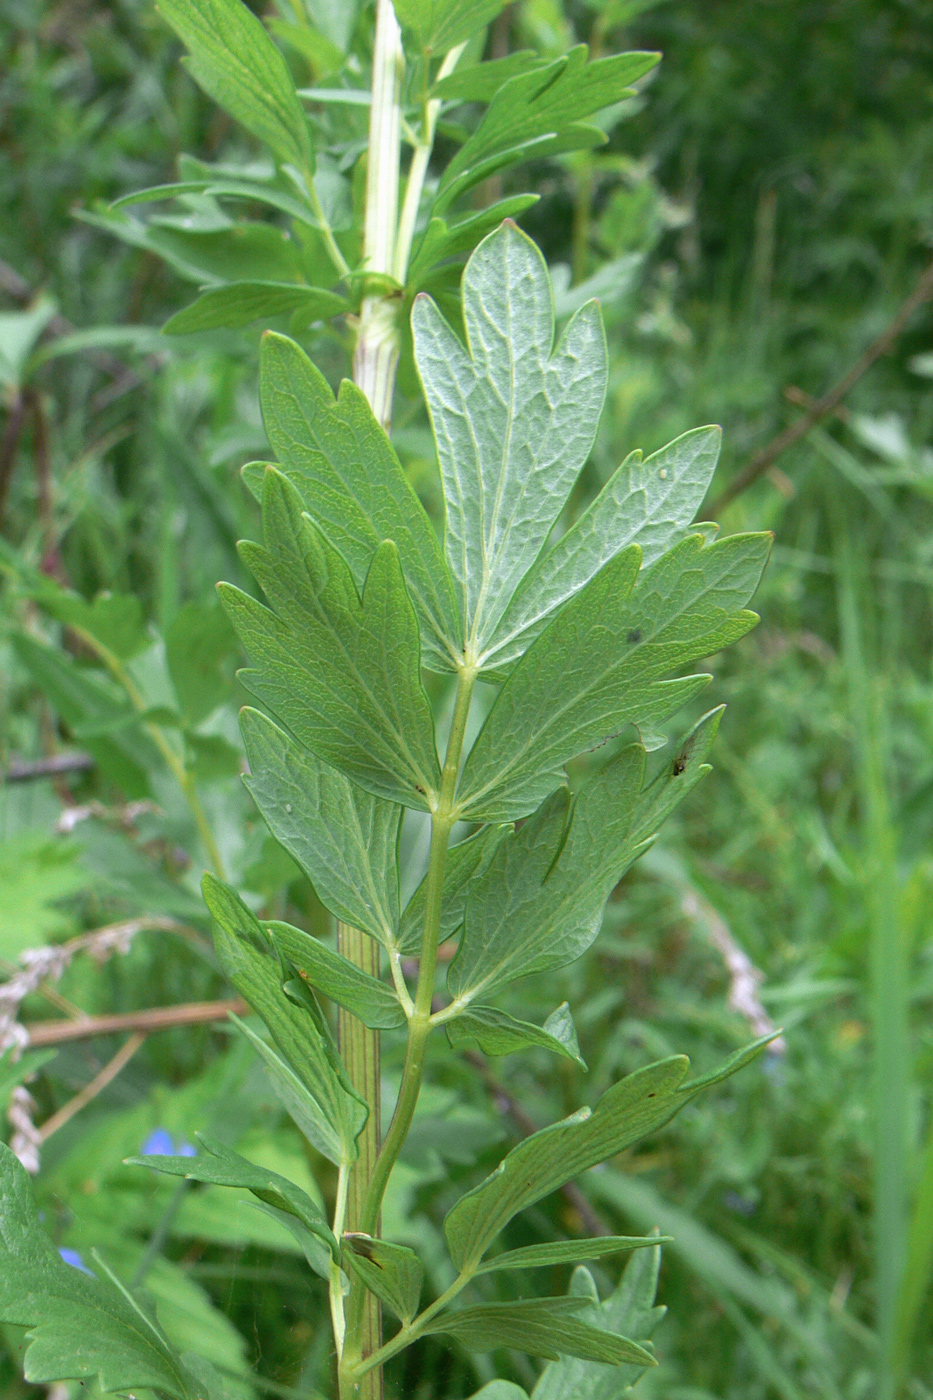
column 650, row 503
column 352, row 484
column 435, row 26
column 541, row 1327
column 236, row 63
column 636, row 1106
column 630, row 1310
column 542, row 112
column 81, row 1326
column 605, row 661
column 218, row 1165
column 539, row 905
column 314, row 1086
column 343, row 672
column 514, row 419
column 344, row 839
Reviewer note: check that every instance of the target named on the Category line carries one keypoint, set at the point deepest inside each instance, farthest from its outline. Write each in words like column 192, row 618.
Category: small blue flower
column 158, row 1144
column 72, row 1257
column 185, row 1149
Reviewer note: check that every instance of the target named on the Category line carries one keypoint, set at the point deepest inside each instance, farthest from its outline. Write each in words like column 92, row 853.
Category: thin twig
column 744, row 977
column 96, row 1086
column 821, row 408
column 28, row 770
column 9, row 444
column 155, row 1018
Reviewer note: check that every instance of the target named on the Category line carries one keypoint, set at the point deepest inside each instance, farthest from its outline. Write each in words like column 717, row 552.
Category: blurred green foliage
column 762, row 208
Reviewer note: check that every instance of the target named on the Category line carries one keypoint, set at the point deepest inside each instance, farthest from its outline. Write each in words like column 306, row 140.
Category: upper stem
column 377, row 346
column 418, row 170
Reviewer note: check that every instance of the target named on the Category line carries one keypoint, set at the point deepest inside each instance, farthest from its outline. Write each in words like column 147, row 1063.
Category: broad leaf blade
column 392, row 1271
column 514, row 419
column 497, row 1033
column 330, row 973
column 540, row 903
column 629, row 1310
column 540, row 1256
column 603, row 663
column 542, row 112
column 344, row 839
column 442, row 241
column 240, row 303
column 434, row 26
column 236, row 63
column 352, row 484
column 81, row 1327
column 637, row 1105
column 219, row 1165
column 342, row 672
column 648, row 503
column 248, row 959
column 541, row 1327
column 479, row 82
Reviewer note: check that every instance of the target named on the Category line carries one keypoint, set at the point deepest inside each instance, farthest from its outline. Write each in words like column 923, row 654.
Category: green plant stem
column 420, row 1026
column 158, row 736
column 377, row 347
column 360, row 1052
column 412, row 1331
column 374, row 364
column 414, row 186
column 327, row 233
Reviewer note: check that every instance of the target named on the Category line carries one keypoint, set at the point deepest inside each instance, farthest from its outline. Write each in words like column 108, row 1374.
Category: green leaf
column 539, row 1256
column 514, row 419
column 539, row 1326
column 329, row 972
column 648, row 503
column 293, row 1094
column 341, row 672
column 391, row 1271
column 344, row 839
column 240, row 303
column 441, row 241
column 465, row 863
column 434, row 26
column 500, row 1390
column 318, row 1255
column 540, row 903
column 39, row 875
column 199, row 647
column 630, row 1110
column 352, row 484
column 301, row 1033
column 541, row 113
column 497, row 1033
column 604, row 662
column 20, row 332
column 629, row 1310
column 219, row 1165
column 479, row 82
column 81, row 1327
column 237, row 64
